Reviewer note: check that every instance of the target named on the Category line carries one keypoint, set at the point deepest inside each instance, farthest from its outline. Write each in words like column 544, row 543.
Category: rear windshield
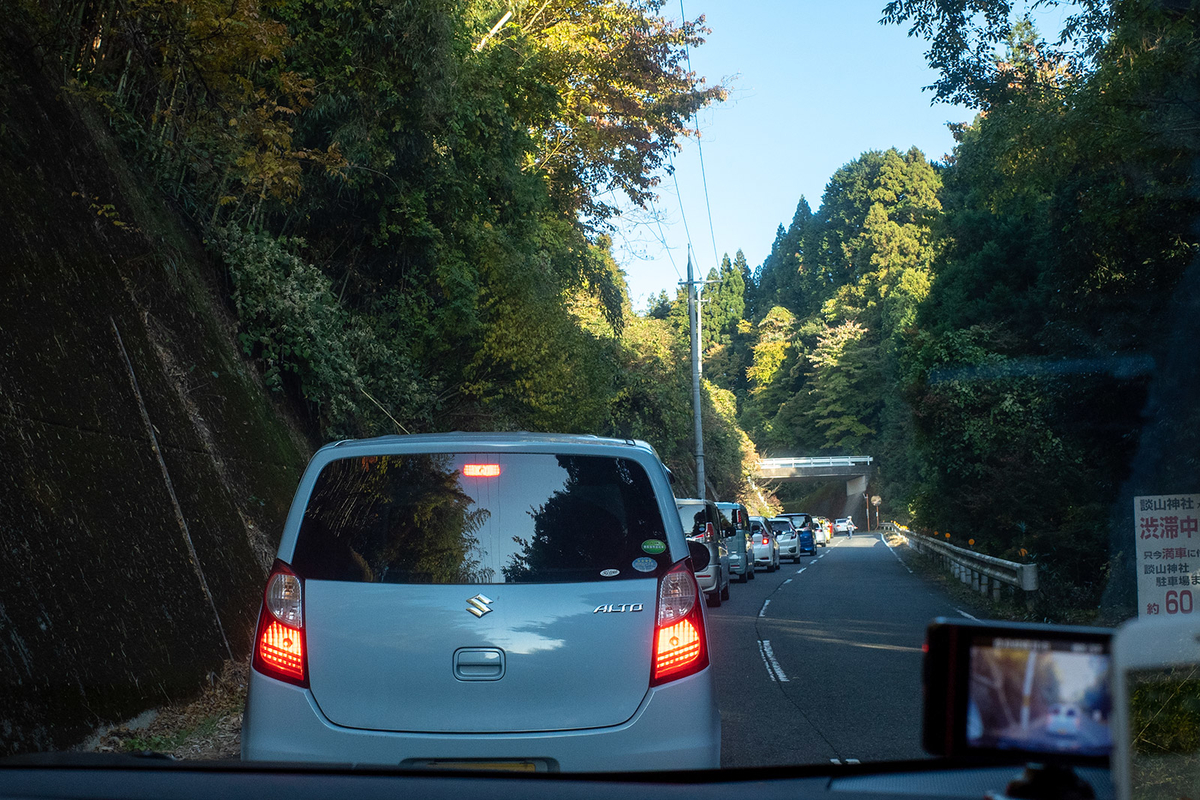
column 782, row 527
column 467, row 519
column 693, row 517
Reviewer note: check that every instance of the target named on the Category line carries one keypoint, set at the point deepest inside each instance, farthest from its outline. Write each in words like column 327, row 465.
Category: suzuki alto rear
column 493, row 601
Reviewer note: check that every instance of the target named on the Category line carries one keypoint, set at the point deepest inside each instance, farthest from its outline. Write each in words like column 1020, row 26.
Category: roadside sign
column 1166, row 534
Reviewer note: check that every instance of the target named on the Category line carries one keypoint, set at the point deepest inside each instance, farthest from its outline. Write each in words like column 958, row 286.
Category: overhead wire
column 682, row 214
column 687, row 52
column 662, row 238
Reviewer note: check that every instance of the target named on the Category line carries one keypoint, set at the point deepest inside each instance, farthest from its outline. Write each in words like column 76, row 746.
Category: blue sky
column 813, row 85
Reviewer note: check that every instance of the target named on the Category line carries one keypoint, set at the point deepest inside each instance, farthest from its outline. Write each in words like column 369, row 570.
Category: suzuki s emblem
column 479, row 605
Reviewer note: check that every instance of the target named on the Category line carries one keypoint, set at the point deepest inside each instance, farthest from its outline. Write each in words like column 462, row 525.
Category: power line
column 662, row 238
column 687, row 52
column 682, row 213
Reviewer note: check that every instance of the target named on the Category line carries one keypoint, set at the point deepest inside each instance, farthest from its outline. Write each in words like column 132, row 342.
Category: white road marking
column 763, row 611
column 766, row 664
column 892, row 550
column 853, row 761
column 801, row 570
column 776, row 671
column 789, row 580
column 835, row 761
column 965, row 614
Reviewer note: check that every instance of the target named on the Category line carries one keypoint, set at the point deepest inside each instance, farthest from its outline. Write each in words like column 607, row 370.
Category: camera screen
column 1164, row 724
column 1039, row 695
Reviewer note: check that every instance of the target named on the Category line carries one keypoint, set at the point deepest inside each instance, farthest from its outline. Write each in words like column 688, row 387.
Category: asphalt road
column 821, row 661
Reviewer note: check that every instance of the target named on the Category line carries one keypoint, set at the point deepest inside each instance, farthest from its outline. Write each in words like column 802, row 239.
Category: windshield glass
column 920, row 274
column 462, row 518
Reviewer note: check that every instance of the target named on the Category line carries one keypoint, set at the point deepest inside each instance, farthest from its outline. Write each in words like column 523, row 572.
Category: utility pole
column 694, row 321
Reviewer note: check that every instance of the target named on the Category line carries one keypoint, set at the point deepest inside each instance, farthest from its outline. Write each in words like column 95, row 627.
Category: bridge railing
column 985, row 574
column 816, row 461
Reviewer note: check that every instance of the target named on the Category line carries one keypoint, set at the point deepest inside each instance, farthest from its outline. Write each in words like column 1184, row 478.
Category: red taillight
column 282, row 649
column 680, row 648
column 765, row 539
column 279, row 645
column 481, row 470
column 710, row 532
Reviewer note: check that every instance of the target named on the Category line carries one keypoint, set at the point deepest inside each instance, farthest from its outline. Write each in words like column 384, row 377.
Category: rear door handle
column 479, row 664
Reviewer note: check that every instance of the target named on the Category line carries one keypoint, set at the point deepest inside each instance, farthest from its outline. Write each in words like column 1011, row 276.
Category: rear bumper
column 738, row 565
column 764, row 556
column 677, row 726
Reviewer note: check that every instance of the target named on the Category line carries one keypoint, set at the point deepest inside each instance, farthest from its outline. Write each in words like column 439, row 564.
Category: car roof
column 458, row 438
column 465, row 441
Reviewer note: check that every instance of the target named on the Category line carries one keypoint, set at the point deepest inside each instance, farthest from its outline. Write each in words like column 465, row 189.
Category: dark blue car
column 806, row 543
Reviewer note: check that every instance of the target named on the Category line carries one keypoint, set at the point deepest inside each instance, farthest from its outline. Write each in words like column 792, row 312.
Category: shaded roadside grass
column 206, row 728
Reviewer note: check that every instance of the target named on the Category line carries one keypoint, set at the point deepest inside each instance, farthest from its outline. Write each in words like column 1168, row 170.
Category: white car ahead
column 517, row 600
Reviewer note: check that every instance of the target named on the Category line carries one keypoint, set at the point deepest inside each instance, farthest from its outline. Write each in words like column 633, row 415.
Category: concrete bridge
column 855, row 469
column 800, row 469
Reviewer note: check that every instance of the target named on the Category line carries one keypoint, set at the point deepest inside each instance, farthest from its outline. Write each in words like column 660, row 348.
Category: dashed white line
column 801, row 570
column 853, row 761
column 789, row 580
column 965, row 614
column 773, row 668
column 763, row 611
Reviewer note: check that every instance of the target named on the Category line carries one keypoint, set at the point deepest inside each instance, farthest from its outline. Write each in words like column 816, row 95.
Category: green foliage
column 357, row 381
column 1066, row 231
column 623, row 94
column 446, row 183
column 965, row 34
column 842, row 395
column 652, row 401
column 724, row 302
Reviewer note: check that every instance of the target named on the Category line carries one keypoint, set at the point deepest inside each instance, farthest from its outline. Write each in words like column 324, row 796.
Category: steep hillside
column 146, row 473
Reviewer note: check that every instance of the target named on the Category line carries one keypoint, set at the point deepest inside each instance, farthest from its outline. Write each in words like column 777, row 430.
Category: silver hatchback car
column 491, row 601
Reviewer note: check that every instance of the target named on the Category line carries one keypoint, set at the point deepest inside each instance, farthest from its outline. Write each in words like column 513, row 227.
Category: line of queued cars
column 740, row 545
column 724, row 528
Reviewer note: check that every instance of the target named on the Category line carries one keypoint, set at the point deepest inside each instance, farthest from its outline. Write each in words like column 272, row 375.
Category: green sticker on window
column 654, row 546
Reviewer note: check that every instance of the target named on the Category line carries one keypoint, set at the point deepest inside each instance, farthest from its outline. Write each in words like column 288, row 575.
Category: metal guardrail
column 816, row 461
column 985, row 574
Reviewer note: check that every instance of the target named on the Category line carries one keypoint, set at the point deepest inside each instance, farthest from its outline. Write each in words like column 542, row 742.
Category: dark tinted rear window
column 693, row 517
column 780, row 526
column 429, row 518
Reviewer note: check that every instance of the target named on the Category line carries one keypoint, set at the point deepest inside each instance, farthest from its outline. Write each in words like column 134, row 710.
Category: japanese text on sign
column 1167, row 541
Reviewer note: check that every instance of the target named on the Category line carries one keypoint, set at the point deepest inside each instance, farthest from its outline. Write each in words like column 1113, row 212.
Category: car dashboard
column 120, row 777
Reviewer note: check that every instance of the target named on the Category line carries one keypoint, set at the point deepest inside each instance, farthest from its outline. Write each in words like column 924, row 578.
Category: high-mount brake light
column 481, row 470
column 279, row 645
column 680, row 648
